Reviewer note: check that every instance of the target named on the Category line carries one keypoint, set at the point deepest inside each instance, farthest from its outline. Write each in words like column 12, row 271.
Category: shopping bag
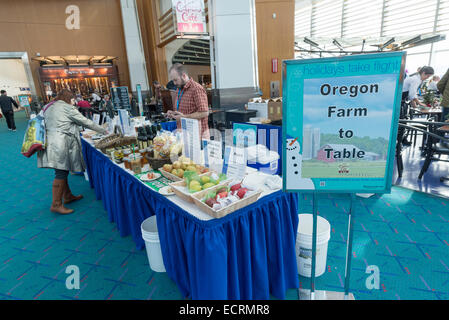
column 35, row 134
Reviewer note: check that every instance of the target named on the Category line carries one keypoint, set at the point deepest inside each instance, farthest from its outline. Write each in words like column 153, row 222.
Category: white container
column 263, row 159
column 152, row 244
column 304, row 245
column 261, row 107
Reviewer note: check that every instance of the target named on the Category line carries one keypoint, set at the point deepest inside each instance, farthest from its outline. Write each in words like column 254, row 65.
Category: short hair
column 179, row 68
column 65, row 95
column 3, row 91
column 427, row 70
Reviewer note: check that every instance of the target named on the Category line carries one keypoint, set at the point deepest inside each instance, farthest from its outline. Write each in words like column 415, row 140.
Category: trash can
column 152, row 244
column 304, row 245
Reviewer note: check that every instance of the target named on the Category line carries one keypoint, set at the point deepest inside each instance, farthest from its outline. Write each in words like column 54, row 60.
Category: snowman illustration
column 294, row 161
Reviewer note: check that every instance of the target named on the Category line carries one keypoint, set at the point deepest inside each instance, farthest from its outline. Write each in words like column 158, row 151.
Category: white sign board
column 213, row 154
column 235, row 160
column 191, row 138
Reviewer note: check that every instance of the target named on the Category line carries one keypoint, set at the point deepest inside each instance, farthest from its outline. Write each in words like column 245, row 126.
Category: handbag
column 35, row 134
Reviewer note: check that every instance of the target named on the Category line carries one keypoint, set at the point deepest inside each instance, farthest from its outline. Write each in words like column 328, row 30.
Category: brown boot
column 67, row 194
column 57, row 206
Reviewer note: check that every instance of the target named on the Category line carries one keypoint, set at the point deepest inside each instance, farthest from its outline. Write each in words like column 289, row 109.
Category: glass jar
column 126, row 162
column 143, row 153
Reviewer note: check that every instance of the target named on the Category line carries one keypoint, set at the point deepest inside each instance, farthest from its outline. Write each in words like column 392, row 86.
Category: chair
column 436, row 146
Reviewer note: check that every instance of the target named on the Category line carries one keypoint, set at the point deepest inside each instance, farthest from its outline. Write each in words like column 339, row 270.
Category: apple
column 174, row 172
column 210, row 202
column 167, row 167
column 208, row 185
column 235, row 187
column 222, row 195
column 205, row 179
column 180, row 173
column 221, row 190
column 241, row 193
column 176, row 164
column 194, row 183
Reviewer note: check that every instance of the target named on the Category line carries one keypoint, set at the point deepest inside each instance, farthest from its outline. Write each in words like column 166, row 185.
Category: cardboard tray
column 178, row 188
column 227, row 210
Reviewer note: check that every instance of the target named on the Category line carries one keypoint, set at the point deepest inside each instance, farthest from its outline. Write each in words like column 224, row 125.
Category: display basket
column 224, row 211
column 113, row 141
column 169, row 176
column 156, row 163
column 179, row 188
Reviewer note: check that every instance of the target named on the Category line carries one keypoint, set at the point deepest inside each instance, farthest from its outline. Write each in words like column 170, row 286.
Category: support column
column 232, row 26
column 134, row 48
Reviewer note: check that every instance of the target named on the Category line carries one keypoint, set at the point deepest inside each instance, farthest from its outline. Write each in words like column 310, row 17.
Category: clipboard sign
column 235, row 160
column 213, row 154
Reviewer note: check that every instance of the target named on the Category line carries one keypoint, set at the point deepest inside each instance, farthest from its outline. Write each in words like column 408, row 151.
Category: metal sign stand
column 312, row 294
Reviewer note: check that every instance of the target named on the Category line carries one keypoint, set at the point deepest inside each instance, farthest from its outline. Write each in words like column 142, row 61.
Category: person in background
column 443, row 88
column 63, row 151
column 410, row 93
column 191, row 101
column 157, row 91
column 95, row 99
column 134, row 105
column 106, row 106
column 432, row 86
column 412, row 83
column 85, row 108
column 6, row 105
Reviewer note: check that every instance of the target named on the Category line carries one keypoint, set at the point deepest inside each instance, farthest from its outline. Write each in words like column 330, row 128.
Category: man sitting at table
column 191, row 101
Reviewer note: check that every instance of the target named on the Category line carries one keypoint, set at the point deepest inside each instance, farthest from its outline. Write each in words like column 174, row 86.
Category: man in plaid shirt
column 191, row 101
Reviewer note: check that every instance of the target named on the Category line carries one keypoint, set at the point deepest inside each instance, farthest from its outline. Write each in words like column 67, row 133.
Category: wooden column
column 275, row 39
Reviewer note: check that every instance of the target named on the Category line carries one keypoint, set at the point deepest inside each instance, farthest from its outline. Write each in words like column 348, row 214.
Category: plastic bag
column 190, row 176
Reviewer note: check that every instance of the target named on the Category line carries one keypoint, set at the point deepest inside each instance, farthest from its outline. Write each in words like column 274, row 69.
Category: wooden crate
column 227, row 210
column 178, row 188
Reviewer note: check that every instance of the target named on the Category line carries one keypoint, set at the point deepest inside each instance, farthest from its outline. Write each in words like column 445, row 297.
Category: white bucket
column 304, row 245
column 152, row 244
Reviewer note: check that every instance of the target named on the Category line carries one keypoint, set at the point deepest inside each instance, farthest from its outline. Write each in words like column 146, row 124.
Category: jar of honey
column 143, row 153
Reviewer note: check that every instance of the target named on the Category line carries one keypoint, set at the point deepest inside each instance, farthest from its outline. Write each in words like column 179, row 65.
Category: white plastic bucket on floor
column 304, row 245
column 152, row 244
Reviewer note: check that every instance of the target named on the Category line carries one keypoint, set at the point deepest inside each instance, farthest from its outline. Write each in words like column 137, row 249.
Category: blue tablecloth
column 248, row 254
column 169, row 125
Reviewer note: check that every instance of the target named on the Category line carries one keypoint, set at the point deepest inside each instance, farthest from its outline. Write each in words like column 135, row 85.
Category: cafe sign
column 190, row 16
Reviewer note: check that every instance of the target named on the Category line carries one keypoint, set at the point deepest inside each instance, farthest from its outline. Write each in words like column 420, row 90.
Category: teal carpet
column 405, row 234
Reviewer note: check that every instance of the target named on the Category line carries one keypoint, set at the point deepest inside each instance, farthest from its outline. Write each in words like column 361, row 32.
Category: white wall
column 13, row 77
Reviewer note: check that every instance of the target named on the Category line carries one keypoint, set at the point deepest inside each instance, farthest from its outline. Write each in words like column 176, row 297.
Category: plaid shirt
column 193, row 98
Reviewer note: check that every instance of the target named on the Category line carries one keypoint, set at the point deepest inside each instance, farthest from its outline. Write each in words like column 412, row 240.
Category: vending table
column 248, row 254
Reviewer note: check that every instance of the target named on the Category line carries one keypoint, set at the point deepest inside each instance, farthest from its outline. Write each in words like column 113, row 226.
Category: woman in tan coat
column 63, row 150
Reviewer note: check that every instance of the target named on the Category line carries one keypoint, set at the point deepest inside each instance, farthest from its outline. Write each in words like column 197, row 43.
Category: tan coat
column 63, row 150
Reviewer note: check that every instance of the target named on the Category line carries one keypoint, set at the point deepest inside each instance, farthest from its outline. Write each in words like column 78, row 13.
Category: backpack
column 35, row 135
